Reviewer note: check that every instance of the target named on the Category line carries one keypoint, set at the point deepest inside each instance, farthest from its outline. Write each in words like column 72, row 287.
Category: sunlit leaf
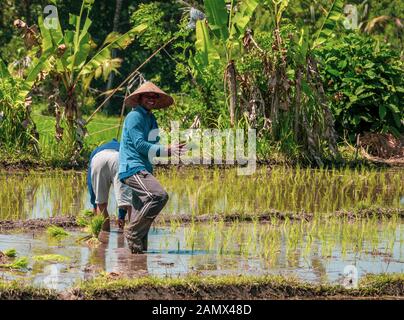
column 217, row 15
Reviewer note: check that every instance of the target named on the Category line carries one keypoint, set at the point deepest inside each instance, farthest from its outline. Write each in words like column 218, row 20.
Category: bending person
column 102, row 173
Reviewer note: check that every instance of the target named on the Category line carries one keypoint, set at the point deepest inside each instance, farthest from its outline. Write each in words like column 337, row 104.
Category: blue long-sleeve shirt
column 139, row 139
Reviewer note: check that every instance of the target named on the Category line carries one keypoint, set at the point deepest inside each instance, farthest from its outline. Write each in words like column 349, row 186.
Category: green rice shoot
column 11, row 253
column 56, row 232
column 18, row 264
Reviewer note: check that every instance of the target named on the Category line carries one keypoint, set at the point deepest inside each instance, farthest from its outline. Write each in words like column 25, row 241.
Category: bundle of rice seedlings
column 96, row 225
column 56, row 232
column 51, row 257
column 11, row 253
column 84, row 217
column 18, row 264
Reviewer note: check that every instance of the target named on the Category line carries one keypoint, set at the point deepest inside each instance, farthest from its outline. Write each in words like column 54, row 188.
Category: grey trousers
column 148, row 199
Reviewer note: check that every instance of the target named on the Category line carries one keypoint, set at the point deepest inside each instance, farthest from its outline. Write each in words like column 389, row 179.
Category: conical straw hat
column 163, row 101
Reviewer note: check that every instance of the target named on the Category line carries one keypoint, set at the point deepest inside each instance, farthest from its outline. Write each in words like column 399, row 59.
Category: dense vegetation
column 308, row 78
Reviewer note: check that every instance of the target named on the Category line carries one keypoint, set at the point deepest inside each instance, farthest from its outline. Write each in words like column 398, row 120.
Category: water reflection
column 202, row 191
column 171, row 254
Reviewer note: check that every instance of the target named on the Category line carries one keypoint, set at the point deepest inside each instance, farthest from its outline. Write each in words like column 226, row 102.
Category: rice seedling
column 18, row 264
column 201, row 191
column 51, row 258
column 95, row 225
column 56, row 232
column 11, row 253
column 84, row 217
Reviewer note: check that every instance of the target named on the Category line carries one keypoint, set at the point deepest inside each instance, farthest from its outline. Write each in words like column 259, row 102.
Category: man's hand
column 176, row 149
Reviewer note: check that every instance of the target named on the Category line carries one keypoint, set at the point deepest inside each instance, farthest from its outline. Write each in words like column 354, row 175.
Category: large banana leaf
column 329, row 23
column 51, row 38
column 38, row 65
column 103, row 57
column 217, row 15
column 80, row 55
column 203, row 44
column 242, row 17
column 81, row 41
column 283, row 5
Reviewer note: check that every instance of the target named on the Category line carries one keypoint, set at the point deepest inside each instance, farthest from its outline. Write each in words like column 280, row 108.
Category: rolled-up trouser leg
column 149, row 198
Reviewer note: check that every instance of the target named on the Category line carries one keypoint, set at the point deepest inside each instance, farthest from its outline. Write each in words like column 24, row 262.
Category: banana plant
column 227, row 21
column 330, row 21
column 77, row 62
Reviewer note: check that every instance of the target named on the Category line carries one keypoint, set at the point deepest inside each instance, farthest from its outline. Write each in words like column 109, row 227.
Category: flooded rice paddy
column 202, row 191
column 312, row 253
column 315, row 251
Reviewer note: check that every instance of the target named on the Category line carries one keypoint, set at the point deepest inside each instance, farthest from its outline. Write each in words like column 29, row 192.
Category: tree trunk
column 232, row 85
column 115, row 28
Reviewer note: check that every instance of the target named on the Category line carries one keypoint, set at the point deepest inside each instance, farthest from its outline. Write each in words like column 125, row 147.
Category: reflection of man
column 102, row 172
column 135, row 168
column 112, row 256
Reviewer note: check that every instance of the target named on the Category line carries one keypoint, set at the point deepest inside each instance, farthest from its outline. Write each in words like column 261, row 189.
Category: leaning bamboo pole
column 127, row 79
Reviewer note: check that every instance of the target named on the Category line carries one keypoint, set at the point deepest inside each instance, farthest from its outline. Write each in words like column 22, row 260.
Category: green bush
column 17, row 130
column 365, row 83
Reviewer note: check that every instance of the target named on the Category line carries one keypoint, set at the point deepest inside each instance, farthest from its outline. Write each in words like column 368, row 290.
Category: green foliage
column 84, row 218
column 18, row 264
column 365, row 83
column 333, row 16
column 56, row 232
column 51, row 258
column 160, row 21
column 11, row 253
column 17, row 129
column 96, row 224
column 193, row 67
column 217, row 16
column 76, row 64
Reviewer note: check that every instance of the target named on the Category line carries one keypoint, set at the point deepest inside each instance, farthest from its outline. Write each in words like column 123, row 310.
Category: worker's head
column 148, row 100
column 149, row 96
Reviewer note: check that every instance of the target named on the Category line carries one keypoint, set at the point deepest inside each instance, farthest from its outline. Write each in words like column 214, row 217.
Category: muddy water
column 201, row 191
column 242, row 248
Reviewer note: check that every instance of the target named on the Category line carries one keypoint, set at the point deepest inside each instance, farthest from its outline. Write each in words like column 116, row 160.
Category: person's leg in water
column 122, row 213
column 123, row 196
column 149, row 198
column 102, row 209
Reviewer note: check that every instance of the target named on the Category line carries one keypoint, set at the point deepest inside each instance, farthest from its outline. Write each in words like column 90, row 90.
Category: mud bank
column 231, row 287
column 69, row 222
column 274, row 214
column 201, row 288
column 12, row 165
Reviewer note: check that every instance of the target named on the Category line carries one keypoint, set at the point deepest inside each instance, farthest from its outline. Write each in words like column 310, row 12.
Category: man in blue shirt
column 102, row 173
column 138, row 147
